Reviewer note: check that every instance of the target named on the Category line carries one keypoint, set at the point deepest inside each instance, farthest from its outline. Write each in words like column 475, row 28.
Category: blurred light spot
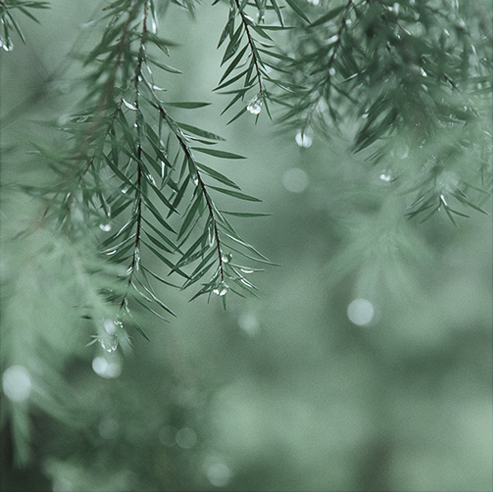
column 295, row 180
column 249, row 323
column 16, row 383
column 360, row 312
column 385, row 176
column 185, row 397
column 403, row 152
column 186, row 438
column 303, row 140
column 218, row 474
column 63, row 120
column 109, row 326
column 62, row 485
column 447, row 182
column 108, row 428
column 167, row 436
column 105, row 368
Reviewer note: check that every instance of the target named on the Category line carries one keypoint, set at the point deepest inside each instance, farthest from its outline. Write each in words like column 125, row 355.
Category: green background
column 283, row 392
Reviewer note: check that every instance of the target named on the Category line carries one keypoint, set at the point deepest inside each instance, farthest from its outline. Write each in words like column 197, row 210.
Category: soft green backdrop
column 278, row 393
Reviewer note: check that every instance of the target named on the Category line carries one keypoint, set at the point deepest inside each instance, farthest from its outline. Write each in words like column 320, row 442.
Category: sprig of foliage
column 133, row 172
column 407, row 73
column 252, row 55
column 8, row 22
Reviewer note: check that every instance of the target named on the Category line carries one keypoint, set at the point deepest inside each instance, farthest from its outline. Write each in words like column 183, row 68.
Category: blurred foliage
column 365, row 363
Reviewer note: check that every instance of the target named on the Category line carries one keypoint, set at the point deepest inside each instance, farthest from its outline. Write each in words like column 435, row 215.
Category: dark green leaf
column 200, row 132
column 218, row 153
column 236, row 194
column 294, row 5
column 187, row 105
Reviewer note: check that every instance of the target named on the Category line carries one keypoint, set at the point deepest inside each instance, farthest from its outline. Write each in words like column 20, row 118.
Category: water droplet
column 396, row 8
column 151, row 179
column 211, row 235
column 154, row 25
column 255, row 105
column 247, row 270
column 365, row 115
column 105, row 227
column 137, row 258
column 244, row 281
column 108, row 343
column 295, row 180
column 112, row 252
column 227, row 258
column 129, row 106
column 124, row 190
column 386, row 176
column 186, row 438
column 442, row 200
column 221, row 290
column 219, row 474
column 360, row 312
column 6, row 45
column 303, row 140
column 16, row 382
column 423, row 73
column 332, row 71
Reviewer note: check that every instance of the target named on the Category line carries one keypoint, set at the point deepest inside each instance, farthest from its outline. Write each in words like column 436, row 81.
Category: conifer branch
column 330, row 71
column 138, row 194
column 253, row 49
